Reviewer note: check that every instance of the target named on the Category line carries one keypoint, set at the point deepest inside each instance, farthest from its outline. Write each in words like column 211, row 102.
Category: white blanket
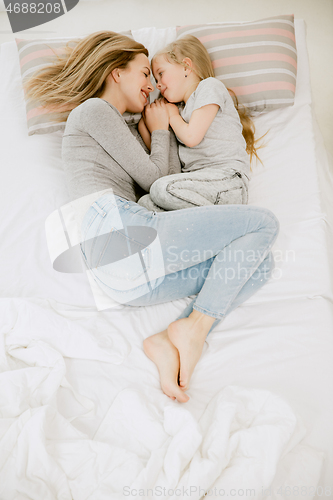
column 145, row 446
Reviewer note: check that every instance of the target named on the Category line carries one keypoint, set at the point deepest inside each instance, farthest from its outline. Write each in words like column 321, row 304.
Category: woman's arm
column 144, row 132
column 175, row 166
column 192, row 133
column 106, row 126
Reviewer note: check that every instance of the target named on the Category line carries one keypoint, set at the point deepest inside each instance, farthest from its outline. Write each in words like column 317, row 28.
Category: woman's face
column 169, row 78
column 135, row 83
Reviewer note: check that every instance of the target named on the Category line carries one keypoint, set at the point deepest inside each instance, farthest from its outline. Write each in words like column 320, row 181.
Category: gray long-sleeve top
column 100, row 151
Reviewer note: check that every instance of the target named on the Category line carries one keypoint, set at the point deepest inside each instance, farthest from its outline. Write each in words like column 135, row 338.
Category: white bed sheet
column 82, row 411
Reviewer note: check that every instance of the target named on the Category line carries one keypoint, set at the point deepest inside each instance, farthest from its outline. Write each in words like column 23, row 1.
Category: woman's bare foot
column 188, row 335
column 164, row 354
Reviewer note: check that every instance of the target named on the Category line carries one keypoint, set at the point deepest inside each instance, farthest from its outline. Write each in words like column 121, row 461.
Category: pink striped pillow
column 257, row 60
column 33, row 55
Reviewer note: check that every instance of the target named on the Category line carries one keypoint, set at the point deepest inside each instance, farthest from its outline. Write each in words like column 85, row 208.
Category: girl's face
column 135, row 83
column 170, row 78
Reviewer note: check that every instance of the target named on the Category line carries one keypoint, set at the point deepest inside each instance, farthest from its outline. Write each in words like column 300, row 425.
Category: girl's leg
column 204, row 187
column 146, row 202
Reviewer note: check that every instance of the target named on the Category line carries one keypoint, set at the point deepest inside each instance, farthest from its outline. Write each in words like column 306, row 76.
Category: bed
column 82, row 412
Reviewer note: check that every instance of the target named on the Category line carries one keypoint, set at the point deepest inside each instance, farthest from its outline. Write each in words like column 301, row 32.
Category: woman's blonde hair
column 190, row 46
column 81, row 72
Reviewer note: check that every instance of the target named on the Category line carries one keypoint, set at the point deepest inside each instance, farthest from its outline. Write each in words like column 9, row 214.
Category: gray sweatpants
column 207, row 186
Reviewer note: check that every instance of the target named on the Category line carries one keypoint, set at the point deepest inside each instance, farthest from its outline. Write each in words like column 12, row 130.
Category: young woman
column 215, row 138
column 222, row 253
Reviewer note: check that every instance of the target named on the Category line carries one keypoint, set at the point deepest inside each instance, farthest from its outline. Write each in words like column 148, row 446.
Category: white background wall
column 94, row 15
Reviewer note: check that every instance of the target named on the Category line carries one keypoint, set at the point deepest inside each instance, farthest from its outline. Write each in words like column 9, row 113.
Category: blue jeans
column 139, row 257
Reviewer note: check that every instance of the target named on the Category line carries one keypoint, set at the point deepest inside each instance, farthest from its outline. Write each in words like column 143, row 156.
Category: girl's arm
column 145, row 134
column 192, row 133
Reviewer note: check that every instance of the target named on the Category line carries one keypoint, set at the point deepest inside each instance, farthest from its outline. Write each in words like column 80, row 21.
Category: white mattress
column 83, row 415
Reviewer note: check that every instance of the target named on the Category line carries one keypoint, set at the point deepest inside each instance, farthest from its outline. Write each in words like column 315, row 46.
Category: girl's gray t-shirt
column 223, row 144
column 100, row 151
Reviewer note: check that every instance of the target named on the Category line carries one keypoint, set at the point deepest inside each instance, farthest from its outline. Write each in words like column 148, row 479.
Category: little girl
column 214, row 137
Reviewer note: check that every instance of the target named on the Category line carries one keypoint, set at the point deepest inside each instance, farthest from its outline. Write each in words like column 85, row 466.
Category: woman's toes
column 189, row 342
column 174, row 392
column 182, row 397
column 165, row 356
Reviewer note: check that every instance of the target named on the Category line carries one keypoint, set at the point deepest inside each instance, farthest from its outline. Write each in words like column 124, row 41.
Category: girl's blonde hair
column 81, row 72
column 190, row 46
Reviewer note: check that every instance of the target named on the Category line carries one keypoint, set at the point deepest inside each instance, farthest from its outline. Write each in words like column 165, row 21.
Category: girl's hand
column 172, row 109
column 156, row 116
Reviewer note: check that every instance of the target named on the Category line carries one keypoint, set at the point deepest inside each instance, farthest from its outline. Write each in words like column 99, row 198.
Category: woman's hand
column 156, row 116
